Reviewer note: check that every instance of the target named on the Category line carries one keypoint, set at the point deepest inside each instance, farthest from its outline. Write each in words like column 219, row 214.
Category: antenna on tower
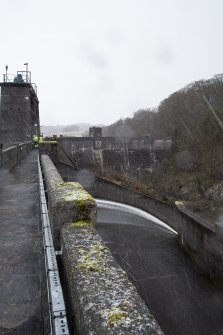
column 26, row 64
column 6, row 74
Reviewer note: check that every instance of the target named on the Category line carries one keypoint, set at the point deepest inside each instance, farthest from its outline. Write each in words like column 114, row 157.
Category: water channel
column 182, row 300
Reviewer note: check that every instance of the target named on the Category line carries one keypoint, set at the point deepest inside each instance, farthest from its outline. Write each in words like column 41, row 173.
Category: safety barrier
column 57, row 310
column 9, row 157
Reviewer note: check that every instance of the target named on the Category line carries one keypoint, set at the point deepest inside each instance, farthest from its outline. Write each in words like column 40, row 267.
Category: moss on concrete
column 115, row 316
column 90, row 265
column 80, row 224
column 75, row 192
column 102, row 297
column 80, row 202
column 92, row 259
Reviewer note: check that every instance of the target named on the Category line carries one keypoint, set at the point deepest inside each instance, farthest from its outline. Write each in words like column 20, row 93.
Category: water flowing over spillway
column 131, row 210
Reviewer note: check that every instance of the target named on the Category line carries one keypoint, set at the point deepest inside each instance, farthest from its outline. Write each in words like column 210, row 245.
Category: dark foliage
column 192, row 117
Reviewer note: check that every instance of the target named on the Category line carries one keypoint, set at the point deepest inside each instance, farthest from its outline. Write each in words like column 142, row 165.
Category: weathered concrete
column 202, row 241
column 50, row 148
column 12, row 155
column 120, row 153
column 20, row 250
column 103, row 300
column 67, row 202
column 19, row 112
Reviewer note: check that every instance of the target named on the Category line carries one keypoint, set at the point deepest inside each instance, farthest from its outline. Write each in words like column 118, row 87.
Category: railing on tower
column 20, row 77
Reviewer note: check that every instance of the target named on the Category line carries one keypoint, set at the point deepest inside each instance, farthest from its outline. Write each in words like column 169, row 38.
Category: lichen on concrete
column 94, row 259
column 89, row 265
column 67, row 201
column 115, row 316
column 80, row 224
column 102, row 298
column 75, row 192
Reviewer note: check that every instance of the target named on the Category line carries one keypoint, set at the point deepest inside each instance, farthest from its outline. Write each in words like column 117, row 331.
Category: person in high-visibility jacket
column 35, row 141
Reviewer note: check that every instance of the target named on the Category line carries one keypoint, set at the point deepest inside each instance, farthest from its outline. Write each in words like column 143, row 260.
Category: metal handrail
column 57, row 310
column 25, row 77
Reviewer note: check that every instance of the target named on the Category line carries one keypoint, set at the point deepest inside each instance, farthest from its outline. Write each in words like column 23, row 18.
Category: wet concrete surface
column 183, row 301
column 20, row 250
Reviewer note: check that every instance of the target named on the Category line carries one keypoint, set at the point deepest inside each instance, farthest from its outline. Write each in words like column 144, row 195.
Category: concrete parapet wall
column 50, row 148
column 55, row 153
column 203, row 241
column 68, row 202
column 12, row 155
column 103, row 300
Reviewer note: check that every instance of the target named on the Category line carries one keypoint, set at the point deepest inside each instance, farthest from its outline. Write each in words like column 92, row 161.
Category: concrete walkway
column 20, row 250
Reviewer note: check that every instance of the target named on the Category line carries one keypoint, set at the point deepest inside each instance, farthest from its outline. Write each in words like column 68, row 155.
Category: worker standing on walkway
column 35, row 141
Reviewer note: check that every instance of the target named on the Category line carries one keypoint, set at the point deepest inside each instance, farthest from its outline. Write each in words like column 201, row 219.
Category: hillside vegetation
column 193, row 118
column 77, row 129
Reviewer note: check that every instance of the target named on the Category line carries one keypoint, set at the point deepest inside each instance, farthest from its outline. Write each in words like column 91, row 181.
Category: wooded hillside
column 193, row 118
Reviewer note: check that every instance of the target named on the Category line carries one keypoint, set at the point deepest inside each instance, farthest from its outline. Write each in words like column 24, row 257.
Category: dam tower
column 19, row 108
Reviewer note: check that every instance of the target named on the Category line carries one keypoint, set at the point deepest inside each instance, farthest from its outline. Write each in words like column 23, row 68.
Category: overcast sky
column 97, row 61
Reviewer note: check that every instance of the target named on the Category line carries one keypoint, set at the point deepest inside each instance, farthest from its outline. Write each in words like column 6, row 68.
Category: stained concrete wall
column 116, row 143
column 12, row 155
column 101, row 299
column 132, row 160
column 19, row 112
column 121, row 154
column 203, row 241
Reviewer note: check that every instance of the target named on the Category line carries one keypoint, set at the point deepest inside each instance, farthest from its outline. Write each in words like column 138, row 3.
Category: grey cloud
column 165, row 55
column 93, row 57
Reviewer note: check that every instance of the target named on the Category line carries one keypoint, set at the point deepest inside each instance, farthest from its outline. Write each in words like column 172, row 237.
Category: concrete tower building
column 19, row 109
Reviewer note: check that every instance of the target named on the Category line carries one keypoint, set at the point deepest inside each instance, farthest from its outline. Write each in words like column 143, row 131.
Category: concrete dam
column 81, row 255
column 135, row 155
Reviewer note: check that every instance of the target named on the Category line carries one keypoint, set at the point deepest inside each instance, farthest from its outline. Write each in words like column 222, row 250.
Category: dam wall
column 117, row 153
